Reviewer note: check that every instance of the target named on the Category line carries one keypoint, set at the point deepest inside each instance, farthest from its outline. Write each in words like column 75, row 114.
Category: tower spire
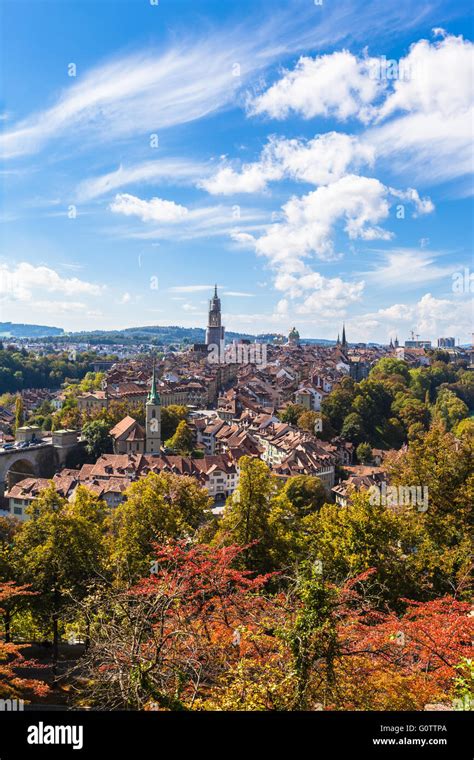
column 153, row 396
column 215, row 290
column 344, row 341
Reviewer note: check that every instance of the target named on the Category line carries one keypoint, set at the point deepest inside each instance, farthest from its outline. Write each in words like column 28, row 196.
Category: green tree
column 465, row 428
column 306, row 493
column 337, row 404
column 254, row 518
column 442, row 463
column 60, row 551
column 353, row 428
column 157, row 508
column 182, row 441
column 291, row 414
column 171, row 416
column 450, row 408
column 313, row 639
column 366, row 534
column 364, row 453
column 410, row 410
column 98, row 440
column 19, row 412
column 389, row 366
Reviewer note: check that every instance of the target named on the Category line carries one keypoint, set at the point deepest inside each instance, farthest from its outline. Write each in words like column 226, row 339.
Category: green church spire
column 153, row 396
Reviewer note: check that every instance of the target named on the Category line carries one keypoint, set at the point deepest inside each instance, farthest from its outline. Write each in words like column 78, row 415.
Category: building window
column 17, row 511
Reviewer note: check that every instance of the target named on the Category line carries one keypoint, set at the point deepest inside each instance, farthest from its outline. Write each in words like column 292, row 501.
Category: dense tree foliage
column 381, row 409
column 20, row 369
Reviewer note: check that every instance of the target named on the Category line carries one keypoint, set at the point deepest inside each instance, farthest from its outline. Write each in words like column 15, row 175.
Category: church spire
column 344, row 341
column 153, row 396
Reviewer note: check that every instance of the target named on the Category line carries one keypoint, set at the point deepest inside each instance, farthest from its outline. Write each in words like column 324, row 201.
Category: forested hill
column 14, row 330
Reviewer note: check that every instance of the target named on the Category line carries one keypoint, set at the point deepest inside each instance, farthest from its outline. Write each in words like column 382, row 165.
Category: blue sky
column 313, row 160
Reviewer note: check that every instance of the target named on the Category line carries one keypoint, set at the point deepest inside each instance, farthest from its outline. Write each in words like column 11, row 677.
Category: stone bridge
column 40, row 461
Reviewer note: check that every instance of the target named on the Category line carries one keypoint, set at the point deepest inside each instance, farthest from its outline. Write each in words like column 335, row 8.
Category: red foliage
column 11, row 658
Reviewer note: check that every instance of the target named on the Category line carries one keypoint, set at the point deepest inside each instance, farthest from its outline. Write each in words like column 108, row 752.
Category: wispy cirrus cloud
column 162, row 217
column 134, row 94
column 191, row 288
column 409, row 267
column 197, row 74
column 165, row 170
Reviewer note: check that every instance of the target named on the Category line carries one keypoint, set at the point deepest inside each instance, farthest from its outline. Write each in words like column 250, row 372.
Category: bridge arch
column 19, row 470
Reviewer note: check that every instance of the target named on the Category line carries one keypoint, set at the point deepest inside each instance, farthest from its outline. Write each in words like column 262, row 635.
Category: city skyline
column 319, row 171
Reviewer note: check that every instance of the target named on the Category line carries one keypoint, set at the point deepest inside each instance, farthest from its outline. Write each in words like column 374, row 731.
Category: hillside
column 17, row 330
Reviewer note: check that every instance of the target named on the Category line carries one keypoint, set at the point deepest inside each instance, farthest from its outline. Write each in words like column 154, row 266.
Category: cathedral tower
column 215, row 331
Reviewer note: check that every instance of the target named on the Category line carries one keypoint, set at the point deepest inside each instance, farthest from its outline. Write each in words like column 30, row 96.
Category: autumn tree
column 12, row 661
column 307, row 421
column 164, row 643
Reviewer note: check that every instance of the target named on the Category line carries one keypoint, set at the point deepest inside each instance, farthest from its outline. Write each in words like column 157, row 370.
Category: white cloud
column 191, row 288
column 337, row 85
column 359, row 202
column 439, row 79
column 199, row 222
column 430, row 113
column 154, row 210
column 422, row 205
column 187, row 79
column 20, row 283
column 430, row 317
column 319, row 295
column 319, row 161
column 420, row 107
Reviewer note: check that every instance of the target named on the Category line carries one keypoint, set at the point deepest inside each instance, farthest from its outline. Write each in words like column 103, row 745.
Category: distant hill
column 158, row 335
column 167, row 335
column 14, row 330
